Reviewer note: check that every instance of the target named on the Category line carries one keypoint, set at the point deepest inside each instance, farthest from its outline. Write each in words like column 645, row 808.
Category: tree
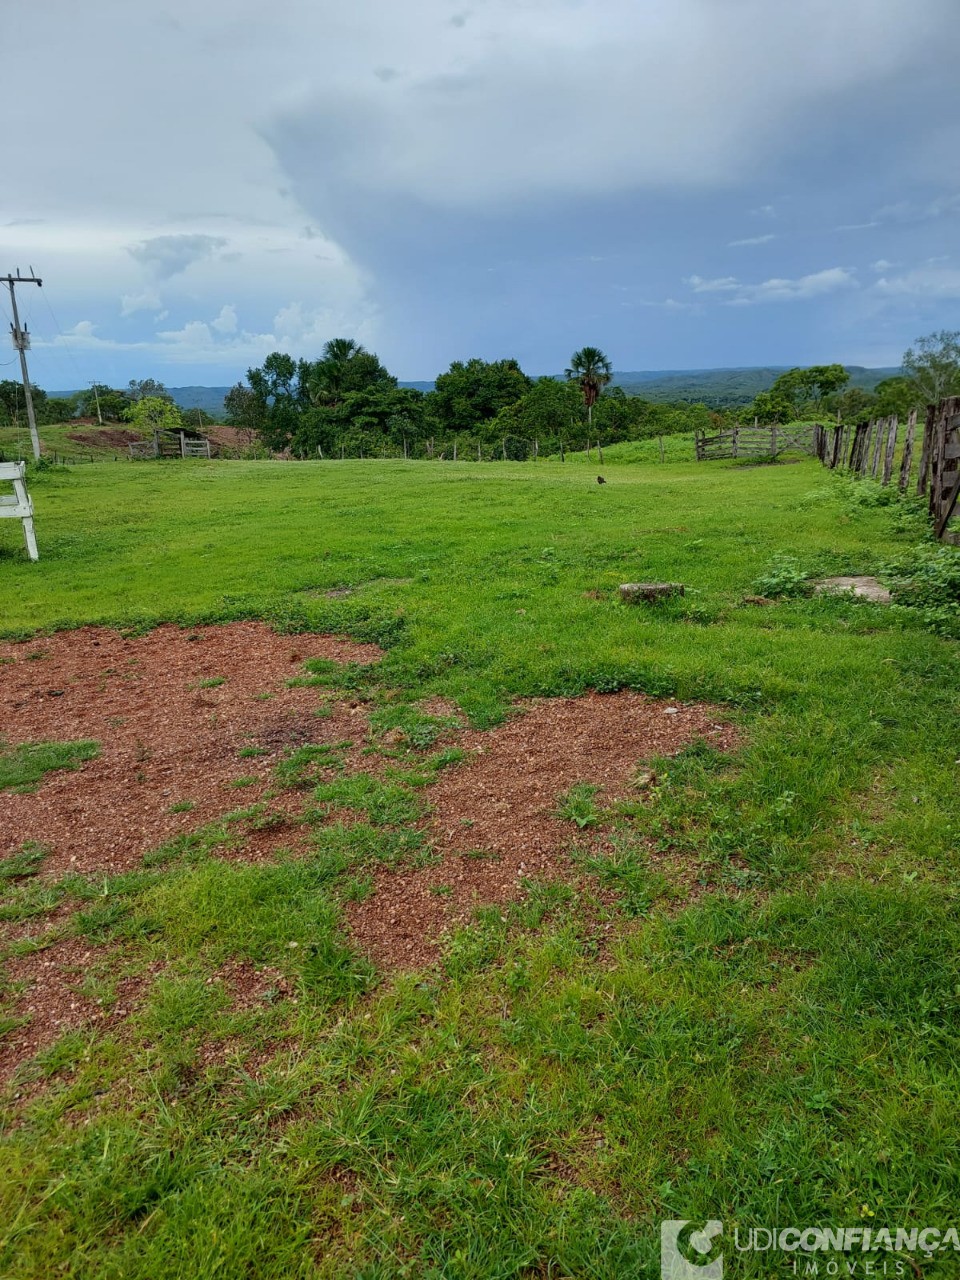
column 245, row 411
column 153, row 414
column 591, row 370
column 549, row 409
column 113, row 404
column 12, row 404
column 805, row 390
column 146, row 388
column 896, row 395
column 57, row 409
column 856, row 403
column 279, row 384
column 770, row 406
column 470, row 395
column 933, row 363
column 345, row 366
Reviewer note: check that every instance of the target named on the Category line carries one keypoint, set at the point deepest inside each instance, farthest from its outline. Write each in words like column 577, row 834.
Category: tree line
column 144, row 402
column 931, row 371
column 348, row 402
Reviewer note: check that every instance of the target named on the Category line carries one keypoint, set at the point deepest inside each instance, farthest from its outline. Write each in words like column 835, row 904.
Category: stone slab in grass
column 865, row 587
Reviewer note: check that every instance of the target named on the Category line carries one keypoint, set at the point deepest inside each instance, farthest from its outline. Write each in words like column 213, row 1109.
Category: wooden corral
column 755, row 441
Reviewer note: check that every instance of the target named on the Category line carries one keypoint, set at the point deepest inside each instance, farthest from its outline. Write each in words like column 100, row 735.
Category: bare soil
column 494, row 818
column 165, row 738
column 105, row 437
column 172, row 711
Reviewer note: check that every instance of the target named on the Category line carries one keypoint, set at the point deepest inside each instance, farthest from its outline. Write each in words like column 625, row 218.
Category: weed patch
column 23, row 766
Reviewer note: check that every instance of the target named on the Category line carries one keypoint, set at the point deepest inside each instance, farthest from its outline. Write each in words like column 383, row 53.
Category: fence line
column 859, row 450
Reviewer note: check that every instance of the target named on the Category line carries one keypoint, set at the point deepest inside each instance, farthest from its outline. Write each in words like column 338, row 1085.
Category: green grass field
column 781, row 1052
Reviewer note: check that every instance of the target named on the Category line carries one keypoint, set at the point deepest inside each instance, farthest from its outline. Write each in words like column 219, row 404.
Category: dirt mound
column 105, row 437
column 494, row 818
column 172, row 710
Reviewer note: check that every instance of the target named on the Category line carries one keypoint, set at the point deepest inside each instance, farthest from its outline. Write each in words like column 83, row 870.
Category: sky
column 691, row 184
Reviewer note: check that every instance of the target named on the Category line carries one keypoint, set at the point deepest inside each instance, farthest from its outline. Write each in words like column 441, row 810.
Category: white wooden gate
column 18, row 506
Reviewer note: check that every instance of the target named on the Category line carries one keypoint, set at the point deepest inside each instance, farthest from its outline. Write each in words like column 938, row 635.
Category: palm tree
column 592, row 370
column 327, row 377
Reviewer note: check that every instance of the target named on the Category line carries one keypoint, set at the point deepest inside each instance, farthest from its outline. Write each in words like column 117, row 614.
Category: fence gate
column 755, row 442
column 18, row 505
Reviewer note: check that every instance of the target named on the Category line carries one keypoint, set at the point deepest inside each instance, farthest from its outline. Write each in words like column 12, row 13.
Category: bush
column 784, row 577
column 927, row 579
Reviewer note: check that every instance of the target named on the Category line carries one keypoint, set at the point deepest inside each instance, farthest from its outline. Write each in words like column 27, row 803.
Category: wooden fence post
column 947, row 463
column 891, row 448
column 907, row 459
column 928, row 427
column 875, row 464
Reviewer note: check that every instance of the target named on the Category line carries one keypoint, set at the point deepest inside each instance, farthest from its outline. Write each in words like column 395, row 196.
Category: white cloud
column 226, row 321
column 750, row 240
column 298, row 329
column 930, row 283
column 724, row 284
column 735, row 292
column 148, row 300
column 166, row 256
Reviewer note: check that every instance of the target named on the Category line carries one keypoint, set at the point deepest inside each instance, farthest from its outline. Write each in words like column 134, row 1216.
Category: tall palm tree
column 591, row 369
column 327, row 377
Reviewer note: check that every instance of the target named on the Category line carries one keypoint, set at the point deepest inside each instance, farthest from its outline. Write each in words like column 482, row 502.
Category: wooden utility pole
column 96, row 396
column 21, row 340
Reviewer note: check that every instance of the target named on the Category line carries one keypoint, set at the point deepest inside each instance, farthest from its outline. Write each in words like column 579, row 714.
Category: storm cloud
column 497, row 178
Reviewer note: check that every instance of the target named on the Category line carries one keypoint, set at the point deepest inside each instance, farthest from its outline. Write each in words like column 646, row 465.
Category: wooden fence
column 755, row 441
column 870, row 449
column 170, row 444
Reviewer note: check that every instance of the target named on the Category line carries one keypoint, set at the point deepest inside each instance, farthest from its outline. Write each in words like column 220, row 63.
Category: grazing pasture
column 380, row 896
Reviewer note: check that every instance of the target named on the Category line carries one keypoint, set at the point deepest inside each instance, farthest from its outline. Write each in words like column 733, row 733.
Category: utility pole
column 96, row 396
column 21, row 340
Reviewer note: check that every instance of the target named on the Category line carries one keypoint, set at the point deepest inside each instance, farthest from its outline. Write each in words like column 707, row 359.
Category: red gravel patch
column 51, row 1003
column 502, row 802
column 165, row 738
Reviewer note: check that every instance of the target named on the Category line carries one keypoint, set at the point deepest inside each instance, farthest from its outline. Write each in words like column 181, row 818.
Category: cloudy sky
column 687, row 184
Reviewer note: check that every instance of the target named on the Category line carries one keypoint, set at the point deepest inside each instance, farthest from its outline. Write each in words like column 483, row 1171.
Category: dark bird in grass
column 600, row 480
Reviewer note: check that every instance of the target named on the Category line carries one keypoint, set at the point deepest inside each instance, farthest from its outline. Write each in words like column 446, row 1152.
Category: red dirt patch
column 164, row 738
column 503, row 802
column 106, row 437
column 51, row 1003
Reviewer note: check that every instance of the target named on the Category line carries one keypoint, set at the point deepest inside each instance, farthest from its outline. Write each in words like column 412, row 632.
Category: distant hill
column 210, row 399
column 719, row 388
column 723, row 387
